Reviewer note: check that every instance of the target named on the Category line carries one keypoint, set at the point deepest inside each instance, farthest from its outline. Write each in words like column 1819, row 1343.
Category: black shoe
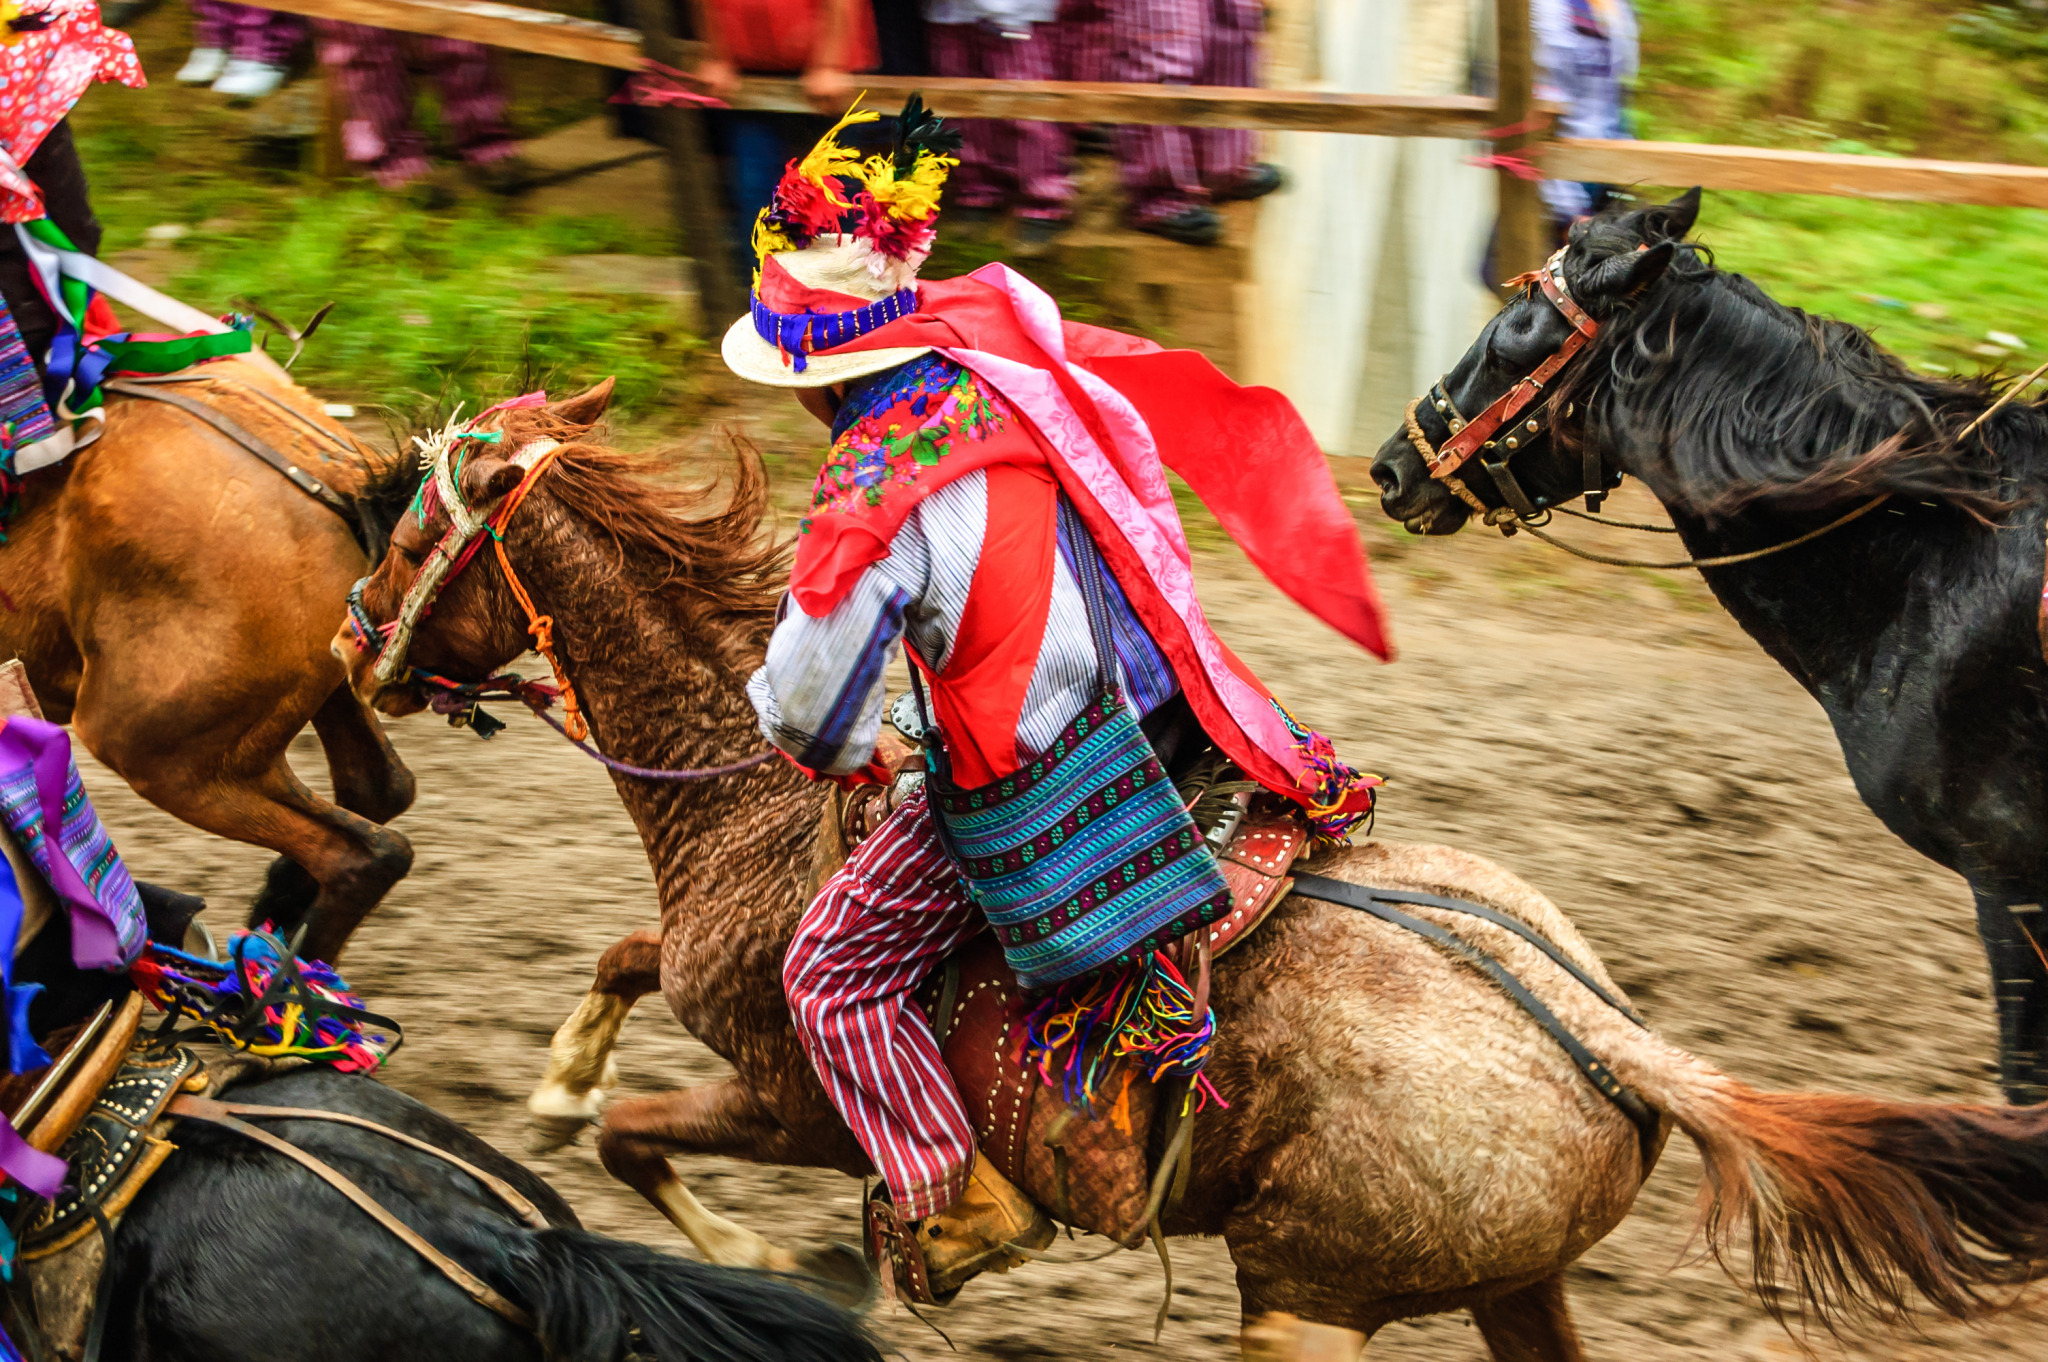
column 1257, row 181
column 1037, row 236
column 1191, row 226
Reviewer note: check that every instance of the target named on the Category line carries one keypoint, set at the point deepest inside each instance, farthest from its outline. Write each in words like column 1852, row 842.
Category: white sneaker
column 203, row 67
column 245, row 79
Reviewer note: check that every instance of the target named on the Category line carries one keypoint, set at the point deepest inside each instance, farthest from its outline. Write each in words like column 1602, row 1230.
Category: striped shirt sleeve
column 819, row 697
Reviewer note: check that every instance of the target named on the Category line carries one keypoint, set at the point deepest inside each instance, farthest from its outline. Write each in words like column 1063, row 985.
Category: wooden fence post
column 693, row 182
column 1524, row 238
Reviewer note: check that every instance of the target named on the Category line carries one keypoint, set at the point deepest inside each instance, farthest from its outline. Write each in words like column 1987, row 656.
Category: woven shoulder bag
column 1085, row 858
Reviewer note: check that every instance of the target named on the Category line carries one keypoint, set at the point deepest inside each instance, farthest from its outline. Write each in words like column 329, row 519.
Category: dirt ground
column 1609, row 734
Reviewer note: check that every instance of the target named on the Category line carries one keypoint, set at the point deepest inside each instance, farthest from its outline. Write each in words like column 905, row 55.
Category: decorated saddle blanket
column 1088, row 1163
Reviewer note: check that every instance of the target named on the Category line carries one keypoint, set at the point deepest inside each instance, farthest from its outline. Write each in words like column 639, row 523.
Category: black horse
column 234, row 1253
column 1917, row 626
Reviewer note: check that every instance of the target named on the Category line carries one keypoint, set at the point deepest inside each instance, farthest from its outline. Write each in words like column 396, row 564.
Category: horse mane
column 390, row 482
column 718, row 557
column 1834, row 418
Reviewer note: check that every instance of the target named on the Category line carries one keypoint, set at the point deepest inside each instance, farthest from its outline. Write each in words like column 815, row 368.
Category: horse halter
column 1497, row 433
column 389, row 643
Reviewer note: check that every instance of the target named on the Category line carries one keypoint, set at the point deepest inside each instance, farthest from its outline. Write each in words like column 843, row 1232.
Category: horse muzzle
column 360, row 664
column 1408, row 493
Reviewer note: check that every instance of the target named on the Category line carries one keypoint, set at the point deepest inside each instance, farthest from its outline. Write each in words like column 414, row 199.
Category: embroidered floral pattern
column 891, row 430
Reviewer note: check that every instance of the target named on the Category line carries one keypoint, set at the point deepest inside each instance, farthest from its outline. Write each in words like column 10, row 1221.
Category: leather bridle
column 1508, row 425
column 468, row 530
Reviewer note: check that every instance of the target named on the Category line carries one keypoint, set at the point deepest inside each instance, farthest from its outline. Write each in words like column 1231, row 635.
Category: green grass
column 431, row 307
column 1884, row 77
column 441, row 307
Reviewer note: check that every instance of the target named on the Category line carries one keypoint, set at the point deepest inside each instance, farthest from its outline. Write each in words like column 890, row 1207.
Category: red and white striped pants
column 892, row 914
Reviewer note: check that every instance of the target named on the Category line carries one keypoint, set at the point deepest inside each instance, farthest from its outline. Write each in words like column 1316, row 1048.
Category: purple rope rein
column 456, row 697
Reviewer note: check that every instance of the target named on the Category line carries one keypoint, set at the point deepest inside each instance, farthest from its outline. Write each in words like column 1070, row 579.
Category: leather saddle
column 1092, row 1170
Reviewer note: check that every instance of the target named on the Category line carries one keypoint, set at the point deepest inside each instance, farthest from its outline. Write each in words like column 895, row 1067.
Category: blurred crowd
column 1172, row 178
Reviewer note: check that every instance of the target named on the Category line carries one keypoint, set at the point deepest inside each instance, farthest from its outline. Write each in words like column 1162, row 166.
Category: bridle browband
column 1503, row 429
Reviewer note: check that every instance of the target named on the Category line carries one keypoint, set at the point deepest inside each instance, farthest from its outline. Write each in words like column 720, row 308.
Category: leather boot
column 967, row 1237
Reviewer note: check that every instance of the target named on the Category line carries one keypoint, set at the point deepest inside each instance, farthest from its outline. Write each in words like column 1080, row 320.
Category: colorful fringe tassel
column 269, row 1002
column 1083, row 1030
column 1330, row 783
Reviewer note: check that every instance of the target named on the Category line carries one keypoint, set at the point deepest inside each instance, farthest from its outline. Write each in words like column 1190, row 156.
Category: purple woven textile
column 40, row 792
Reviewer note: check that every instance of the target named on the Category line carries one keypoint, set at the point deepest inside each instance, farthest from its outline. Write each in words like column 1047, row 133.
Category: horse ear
column 585, row 407
column 1672, row 221
column 1631, row 272
column 485, row 480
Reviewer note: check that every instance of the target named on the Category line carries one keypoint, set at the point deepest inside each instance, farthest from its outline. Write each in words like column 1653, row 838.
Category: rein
column 390, row 643
column 1480, row 436
column 461, row 700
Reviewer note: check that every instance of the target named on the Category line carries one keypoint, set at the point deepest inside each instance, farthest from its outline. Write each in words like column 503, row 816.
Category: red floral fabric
column 42, row 74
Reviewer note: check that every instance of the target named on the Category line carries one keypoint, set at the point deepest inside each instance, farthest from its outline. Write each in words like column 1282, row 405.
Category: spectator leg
column 473, row 99
column 1225, row 154
column 367, row 66
column 263, row 35
column 754, row 142
column 980, row 181
column 210, row 23
column 1159, row 42
column 1037, row 151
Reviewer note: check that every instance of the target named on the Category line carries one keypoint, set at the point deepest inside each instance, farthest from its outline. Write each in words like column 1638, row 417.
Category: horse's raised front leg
column 580, row 1064
column 369, row 779
column 369, row 776
column 238, row 785
column 729, row 1119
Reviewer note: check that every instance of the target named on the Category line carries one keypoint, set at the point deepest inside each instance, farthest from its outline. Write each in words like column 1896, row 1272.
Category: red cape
column 1245, row 452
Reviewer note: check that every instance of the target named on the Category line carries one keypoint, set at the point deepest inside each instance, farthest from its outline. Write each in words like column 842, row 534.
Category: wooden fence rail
column 1195, row 106
column 1453, row 116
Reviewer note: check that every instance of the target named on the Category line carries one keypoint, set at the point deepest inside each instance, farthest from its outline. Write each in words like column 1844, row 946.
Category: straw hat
column 835, row 265
column 839, row 247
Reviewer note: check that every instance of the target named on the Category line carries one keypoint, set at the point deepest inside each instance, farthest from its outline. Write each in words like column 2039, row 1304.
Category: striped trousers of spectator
column 1005, row 158
column 371, row 75
column 891, row 916
column 1181, row 42
column 244, row 31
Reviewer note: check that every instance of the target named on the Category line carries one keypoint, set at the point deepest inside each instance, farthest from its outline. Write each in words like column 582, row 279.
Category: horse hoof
column 839, row 1273
column 545, row 1134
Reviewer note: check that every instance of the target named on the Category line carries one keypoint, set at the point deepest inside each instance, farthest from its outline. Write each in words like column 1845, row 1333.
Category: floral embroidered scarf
column 901, row 435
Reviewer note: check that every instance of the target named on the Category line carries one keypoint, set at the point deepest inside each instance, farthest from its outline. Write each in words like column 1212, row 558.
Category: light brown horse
column 173, row 597
column 1401, row 1139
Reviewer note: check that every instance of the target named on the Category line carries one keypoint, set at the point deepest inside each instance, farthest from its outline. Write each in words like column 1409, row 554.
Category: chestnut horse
column 172, row 598
column 1401, row 1139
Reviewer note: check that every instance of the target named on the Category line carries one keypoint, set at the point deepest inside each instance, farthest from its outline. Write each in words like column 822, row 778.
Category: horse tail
column 1853, row 1204
column 588, row 1294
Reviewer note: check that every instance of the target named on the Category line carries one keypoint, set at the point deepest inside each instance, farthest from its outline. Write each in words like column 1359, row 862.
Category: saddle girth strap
column 1378, row 902
column 256, row 445
column 224, row 1114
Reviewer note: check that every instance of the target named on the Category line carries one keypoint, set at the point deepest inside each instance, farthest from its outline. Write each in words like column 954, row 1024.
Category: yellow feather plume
column 914, row 197
column 828, row 160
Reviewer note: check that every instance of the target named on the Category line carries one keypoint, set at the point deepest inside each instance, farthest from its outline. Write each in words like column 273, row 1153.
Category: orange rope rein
column 541, row 627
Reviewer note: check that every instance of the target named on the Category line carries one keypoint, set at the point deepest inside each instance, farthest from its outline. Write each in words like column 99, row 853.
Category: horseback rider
column 49, row 55
column 994, row 494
